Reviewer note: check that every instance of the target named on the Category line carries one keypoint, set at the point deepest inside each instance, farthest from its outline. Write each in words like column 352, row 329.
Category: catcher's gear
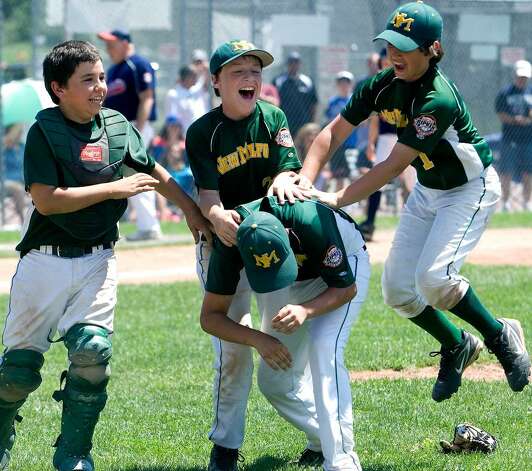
column 468, row 438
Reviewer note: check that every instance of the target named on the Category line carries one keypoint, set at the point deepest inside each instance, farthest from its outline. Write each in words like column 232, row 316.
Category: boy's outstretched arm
column 225, row 221
column 60, row 200
column 169, row 188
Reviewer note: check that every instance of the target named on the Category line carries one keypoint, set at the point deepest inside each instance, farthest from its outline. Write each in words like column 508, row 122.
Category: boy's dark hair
column 185, row 72
column 61, row 62
column 425, row 49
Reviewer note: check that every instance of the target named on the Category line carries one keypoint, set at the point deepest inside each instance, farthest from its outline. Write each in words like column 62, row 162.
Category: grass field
column 159, row 409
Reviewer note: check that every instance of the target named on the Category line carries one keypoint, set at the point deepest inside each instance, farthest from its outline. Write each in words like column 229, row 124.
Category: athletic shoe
column 224, row 459
column 144, row 235
column 453, row 363
column 73, row 463
column 367, row 231
column 509, row 348
column 4, row 460
column 310, row 458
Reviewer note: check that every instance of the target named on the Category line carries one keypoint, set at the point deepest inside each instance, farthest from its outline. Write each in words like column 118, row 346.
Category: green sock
column 471, row 310
column 436, row 324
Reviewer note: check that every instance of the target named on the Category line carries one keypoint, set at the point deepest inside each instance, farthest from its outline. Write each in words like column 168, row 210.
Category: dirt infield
column 168, row 264
column 488, row 372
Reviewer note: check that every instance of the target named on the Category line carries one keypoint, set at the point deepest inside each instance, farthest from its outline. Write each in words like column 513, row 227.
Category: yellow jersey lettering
column 266, row 182
column 300, row 258
column 401, row 19
column 222, row 165
column 427, row 163
column 252, row 151
column 394, row 117
column 233, row 160
column 265, row 150
column 265, row 260
column 242, row 154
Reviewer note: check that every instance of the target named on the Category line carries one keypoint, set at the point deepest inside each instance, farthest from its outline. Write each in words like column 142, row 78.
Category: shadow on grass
column 266, row 463
column 378, row 467
column 161, row 468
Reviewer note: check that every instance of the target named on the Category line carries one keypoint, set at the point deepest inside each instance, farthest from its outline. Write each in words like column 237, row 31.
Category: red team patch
column 91, row 154
column 425, row 126
column 333, row 257
column 284, row 138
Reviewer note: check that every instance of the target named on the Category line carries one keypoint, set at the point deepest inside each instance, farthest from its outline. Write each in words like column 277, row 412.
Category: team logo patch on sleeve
column 425, row 126
column 284, row 138
column 91, row 154
column 333, row 257
column 147, row 77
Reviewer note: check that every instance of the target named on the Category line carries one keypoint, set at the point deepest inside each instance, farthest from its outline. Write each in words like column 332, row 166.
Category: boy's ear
column 214, row 80
column 57, row 89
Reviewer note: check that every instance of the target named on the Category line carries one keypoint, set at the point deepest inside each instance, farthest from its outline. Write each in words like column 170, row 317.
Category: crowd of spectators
column 132, row 87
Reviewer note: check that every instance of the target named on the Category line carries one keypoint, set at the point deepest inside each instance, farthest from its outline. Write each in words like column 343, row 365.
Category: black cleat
column 509, row 348
column 224, row 459
column 453, row 363
column 310, row 458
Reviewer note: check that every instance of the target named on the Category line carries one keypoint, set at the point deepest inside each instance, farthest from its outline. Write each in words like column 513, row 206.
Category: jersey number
column 427, row 163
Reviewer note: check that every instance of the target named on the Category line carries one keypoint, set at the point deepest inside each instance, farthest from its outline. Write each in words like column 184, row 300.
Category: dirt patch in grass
column 485, row 372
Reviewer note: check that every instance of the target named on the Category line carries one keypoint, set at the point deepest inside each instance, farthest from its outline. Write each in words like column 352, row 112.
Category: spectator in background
column 514, row 108
column 131, row 91
column 298, row 95
column 14, row 168
column 269, row 93
column 170, row 137
column 170, row 134
column 338, row 164
column 362, row 129
column 304, row 138
column 189, row 99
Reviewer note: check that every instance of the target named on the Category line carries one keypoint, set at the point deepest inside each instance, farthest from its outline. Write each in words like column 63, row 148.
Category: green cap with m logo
column 264, row 246
column 411, row 26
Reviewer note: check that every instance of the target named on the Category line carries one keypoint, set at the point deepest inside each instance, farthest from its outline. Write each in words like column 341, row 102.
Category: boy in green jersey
column 449, row 208
column 237, row 152
column 66, row 279
column 308, row 265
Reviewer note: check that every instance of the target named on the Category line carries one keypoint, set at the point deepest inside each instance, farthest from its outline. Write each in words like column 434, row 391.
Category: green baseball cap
column 269, row 261
column 232, row 50
column 411, row 26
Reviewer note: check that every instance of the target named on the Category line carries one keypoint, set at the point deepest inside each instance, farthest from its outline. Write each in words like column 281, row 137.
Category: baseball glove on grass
column 468, row 438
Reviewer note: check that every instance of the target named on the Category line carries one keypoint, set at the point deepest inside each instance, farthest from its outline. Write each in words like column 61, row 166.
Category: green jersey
column 42, row 166
column 314, row 237
column 431, row 117
column 239, row 159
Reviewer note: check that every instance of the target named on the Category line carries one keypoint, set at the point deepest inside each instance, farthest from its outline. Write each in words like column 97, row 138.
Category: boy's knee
column 20, row 374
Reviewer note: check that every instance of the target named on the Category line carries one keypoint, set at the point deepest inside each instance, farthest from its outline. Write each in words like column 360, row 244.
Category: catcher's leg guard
column 84, row 395
column 19, row 376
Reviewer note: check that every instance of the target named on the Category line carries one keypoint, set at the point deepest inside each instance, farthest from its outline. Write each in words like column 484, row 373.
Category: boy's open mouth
column 247, row 93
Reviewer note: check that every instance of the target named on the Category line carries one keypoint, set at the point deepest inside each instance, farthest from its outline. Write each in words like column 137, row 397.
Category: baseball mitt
column 468, row 438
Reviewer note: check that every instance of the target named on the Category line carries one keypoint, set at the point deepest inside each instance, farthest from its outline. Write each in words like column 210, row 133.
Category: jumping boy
column 66, row 279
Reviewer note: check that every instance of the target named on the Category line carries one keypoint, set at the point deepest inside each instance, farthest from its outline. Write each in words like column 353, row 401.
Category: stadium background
column 481, row 40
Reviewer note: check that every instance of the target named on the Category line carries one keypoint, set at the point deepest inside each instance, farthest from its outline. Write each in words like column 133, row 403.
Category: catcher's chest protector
column 86, row 161
column 83, row 161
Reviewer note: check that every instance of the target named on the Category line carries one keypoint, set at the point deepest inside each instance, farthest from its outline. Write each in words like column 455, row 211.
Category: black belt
column 66, row 251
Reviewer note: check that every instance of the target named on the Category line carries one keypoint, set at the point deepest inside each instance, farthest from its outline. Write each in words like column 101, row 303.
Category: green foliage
column 17, row 23
column 159, row 410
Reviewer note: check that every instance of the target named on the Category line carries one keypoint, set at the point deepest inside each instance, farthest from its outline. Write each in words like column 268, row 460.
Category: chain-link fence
column 482, row 41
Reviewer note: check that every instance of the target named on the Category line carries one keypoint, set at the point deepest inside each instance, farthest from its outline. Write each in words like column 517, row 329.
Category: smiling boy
column 66, row 279
column 236, row 152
